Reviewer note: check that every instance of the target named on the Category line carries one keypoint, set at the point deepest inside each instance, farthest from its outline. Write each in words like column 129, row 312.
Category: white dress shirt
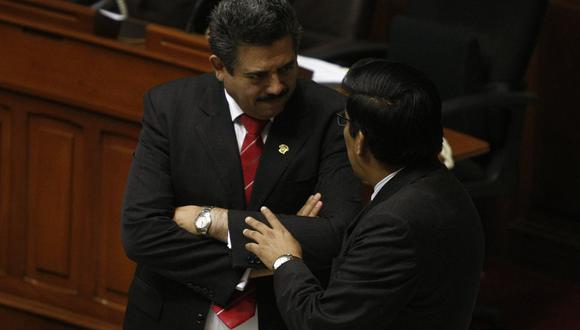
column 213, row 322
column 383, row 182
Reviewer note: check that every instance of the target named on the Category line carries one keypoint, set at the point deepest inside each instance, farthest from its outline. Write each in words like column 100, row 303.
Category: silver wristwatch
column 203, row 221
column 282, row 260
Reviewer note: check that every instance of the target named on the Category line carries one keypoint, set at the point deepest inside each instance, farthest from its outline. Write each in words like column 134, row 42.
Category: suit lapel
column 216, row 133
column 289, row 132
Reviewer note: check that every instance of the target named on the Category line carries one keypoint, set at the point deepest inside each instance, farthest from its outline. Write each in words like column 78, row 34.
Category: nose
column 275, row 85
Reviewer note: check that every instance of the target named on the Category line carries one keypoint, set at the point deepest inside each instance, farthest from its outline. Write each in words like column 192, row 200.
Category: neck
column 377, row 171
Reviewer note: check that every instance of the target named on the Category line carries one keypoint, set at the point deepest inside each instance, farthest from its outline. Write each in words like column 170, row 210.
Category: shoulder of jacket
column 187, row 85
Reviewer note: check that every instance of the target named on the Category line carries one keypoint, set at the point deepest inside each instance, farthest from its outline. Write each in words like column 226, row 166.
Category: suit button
column 258, row 261
column 200, row 316
column 189, row 285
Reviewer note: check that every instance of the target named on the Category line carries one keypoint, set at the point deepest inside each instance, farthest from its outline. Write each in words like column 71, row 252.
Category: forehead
column 265, row 58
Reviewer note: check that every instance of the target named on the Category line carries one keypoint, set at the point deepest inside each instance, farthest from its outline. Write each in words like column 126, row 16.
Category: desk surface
column 465, row 146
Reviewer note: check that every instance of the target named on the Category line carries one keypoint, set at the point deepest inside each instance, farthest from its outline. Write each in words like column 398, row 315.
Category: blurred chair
column 333, row 24
column 198, row 20
column 188, row 15
column 477, row 53
column 472, row 102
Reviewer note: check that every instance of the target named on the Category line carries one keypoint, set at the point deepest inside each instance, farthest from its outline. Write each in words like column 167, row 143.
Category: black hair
column 397, row 108
column 250, row 22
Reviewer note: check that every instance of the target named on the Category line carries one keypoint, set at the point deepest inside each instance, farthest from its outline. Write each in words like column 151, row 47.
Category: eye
column 255, row 77
column 287, row 68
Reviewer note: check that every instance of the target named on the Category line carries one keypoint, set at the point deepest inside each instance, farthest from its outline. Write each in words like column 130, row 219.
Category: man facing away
column 412, row 258
column 212, row 150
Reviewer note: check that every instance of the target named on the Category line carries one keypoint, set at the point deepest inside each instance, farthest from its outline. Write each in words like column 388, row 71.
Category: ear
column 359, row 144
column 218, row 66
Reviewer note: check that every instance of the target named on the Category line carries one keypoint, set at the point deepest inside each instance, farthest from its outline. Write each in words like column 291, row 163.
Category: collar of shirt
column 240, row 130
column 383, row 182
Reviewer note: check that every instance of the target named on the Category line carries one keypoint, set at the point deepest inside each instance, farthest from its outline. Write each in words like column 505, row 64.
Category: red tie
column 251, row 152
column 243, row 304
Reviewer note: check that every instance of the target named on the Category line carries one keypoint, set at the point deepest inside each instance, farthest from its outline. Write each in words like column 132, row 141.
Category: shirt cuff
column 244, row 280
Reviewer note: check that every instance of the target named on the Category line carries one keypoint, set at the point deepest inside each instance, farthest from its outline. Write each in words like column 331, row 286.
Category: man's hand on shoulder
column 185, row 217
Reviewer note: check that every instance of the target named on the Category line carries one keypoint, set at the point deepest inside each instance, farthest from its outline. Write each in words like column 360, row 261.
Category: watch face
column 202, row 222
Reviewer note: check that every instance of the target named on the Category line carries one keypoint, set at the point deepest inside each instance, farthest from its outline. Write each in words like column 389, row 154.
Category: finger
column 317, row 196
column 306, row 208
column 316, row 209
column 257, row 225
column 253, row 235
column 271, row 218
column 310, row 205
column 252, row 247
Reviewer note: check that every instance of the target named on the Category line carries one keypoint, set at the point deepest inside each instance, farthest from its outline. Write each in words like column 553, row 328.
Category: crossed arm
column 185, row 217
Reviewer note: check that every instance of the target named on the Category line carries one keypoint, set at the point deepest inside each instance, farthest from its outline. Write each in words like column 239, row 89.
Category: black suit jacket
column 411, row 260
column 188, row 154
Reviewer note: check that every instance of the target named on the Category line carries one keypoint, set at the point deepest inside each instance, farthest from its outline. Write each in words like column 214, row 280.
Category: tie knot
column 253, row 126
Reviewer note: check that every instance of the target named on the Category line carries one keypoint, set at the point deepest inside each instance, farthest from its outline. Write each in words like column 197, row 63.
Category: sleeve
column 149, row 235
column 320, row 237
column 369, row 284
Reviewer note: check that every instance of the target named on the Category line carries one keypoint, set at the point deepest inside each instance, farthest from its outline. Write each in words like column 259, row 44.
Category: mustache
column 273, row 97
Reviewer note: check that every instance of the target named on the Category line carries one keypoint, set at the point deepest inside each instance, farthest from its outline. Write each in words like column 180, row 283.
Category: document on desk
column 322, row 72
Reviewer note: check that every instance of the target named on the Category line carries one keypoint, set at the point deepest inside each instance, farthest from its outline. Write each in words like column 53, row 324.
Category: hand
column 270, row 242
column 185, row 216
column 312, row 206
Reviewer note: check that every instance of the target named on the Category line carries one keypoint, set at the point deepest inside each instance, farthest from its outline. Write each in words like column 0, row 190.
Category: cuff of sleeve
column 241, row 258
column 244, row 280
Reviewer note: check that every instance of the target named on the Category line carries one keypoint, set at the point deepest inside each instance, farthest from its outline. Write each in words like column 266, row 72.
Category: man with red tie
column 212, row 150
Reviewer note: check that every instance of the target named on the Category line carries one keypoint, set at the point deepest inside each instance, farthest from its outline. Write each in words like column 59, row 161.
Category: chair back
column 481, row 48
column 506, row 30
column 326, row 20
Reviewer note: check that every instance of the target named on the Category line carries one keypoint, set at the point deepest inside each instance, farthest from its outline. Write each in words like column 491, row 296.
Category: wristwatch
column 203, row 221
column 282, row 260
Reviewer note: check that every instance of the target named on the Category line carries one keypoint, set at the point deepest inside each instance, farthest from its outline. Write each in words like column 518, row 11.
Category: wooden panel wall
column 115, row 270
column 5, row 173
column 70, row 111
column 73, row 180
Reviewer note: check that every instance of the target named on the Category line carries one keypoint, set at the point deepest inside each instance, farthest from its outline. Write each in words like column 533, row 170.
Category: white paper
column 323, row 72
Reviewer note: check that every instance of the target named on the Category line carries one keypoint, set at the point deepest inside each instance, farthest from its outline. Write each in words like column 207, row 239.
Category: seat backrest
column 346, row 19
column 468, row 46
column 188, row 15
column 450, row 56
column 506, row 30
column 199, row 18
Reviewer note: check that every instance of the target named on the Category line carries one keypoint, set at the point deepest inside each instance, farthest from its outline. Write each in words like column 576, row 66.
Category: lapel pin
column 283, row 149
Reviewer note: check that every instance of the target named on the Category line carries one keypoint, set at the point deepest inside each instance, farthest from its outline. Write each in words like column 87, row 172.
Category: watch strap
column 205, row 212
column 282, row 260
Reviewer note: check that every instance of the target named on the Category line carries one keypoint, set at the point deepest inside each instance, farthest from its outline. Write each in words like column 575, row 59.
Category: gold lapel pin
column 283, row 149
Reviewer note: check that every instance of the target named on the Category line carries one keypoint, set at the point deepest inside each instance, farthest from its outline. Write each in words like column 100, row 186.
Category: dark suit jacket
column 411, row 260
column 188, row 154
